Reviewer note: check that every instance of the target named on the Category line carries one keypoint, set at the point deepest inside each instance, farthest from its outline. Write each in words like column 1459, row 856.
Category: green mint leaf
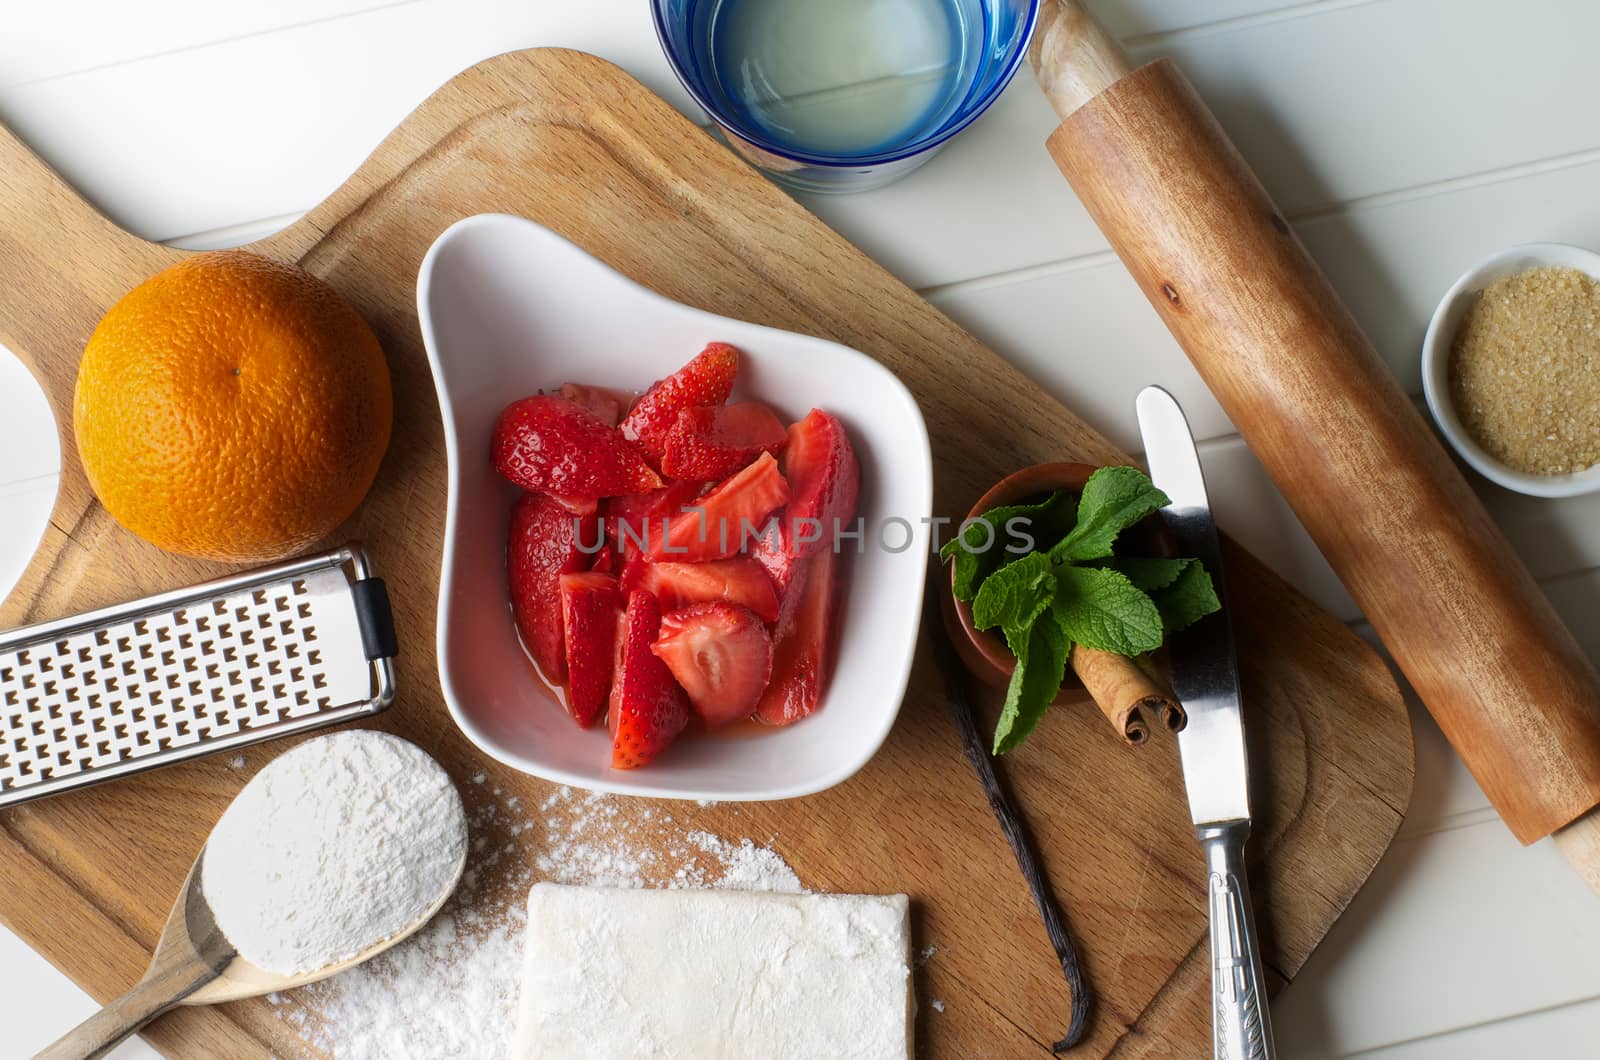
column 1041, row 665
column 1102, row 609
column 1189, row 598
column 1147, row 574
column 1113, row 499
column 1015, row 595
column 1003, row 533
column 1035, row 527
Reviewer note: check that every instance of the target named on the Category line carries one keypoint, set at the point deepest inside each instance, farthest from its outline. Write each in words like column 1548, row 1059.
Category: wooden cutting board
column 576, row 144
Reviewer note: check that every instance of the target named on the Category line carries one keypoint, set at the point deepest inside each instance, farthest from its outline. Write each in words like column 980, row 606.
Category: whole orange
column 233, row 408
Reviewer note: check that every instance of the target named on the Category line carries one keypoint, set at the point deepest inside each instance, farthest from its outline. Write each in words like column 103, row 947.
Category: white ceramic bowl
column 508, row 307
column 1436, row 364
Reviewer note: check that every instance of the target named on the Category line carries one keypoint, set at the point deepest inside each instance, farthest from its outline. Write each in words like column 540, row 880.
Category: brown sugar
column 1525, row 371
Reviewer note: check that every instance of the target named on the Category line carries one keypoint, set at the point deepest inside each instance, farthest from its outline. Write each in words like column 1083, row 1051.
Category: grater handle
column 160, row 990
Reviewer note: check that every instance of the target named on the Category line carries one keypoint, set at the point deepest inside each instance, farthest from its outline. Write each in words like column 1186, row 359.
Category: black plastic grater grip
column 378, row 638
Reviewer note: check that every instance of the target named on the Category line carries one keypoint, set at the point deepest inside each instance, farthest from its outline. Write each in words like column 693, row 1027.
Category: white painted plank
column 990, row 201
column 71, row 36
column 1445, row 796
column 1346, row 102
column 1141, row 18
column 1455, row 928
column 42, row 1004
column 1565, row 1032
column 1393, row 259
column 53, row 39
column 1352, row 101
column 1089, row 337
column 284, row 117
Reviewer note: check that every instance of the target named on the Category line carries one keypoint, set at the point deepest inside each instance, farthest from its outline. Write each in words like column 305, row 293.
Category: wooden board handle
column 1460, row 613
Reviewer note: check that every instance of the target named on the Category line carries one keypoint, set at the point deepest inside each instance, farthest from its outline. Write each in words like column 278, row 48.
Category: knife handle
column 1241, row 1024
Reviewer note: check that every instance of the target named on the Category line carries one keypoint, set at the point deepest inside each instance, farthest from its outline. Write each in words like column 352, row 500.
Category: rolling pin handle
column 1579, row 843
column 1074, row 56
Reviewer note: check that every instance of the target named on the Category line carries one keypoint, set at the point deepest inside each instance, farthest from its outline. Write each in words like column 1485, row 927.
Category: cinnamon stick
column 1123, row 689
column 1173, row 716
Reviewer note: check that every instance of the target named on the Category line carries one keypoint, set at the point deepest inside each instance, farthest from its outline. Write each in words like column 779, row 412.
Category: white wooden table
column 1405, row 139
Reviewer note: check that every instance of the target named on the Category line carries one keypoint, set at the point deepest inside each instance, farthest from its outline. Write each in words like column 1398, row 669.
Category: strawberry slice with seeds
column 591, row 605
column 824, row 484
column 706, row 380
column 721, row 654
column 546, row 541
column 552, row 445
column 715, row 442
column 804, row 645
column 737, row 580
column 648, row 709
column 637, row 523
column 721, row 521
column 607, row 405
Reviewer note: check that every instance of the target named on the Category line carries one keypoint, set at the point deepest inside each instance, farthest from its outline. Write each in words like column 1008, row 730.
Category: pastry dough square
column 714, row 975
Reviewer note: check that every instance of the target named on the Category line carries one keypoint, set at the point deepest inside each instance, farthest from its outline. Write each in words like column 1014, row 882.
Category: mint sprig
column 1072, row 587
column 1114, row 499
column 984, row 544
column 1041, row 666
column 1188, row 599
column 1103, row 610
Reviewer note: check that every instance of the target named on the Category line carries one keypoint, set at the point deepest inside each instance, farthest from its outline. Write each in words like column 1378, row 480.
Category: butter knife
column 1206, row 681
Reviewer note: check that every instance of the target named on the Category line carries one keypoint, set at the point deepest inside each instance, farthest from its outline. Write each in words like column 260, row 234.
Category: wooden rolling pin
column 1458, row 610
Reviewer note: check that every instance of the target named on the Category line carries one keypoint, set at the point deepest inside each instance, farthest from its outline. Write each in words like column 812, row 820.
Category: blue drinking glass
column 843, row 95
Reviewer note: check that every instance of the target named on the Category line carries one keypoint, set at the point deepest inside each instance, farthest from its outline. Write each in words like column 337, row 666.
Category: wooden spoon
column 195, row 964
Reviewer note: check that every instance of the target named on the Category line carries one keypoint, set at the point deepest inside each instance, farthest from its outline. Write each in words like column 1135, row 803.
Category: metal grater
column 192, row 672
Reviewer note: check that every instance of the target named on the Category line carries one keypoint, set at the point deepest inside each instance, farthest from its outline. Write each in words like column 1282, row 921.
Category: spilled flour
column 451, row 989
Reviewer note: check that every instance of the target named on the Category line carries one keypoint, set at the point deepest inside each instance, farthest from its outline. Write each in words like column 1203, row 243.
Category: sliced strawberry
column 638, row 522
column 738, row 580
column 824, row 484
column 549, row 444
column 768, row 550
column 721, row 654
column 715, row 442
column 719, row 523
column 648, row 709
column 591, row 604
column 706, row 380
column 607, row 405
column 803, row 654
column 544, row 544
column 578, row 505
column 605, row 560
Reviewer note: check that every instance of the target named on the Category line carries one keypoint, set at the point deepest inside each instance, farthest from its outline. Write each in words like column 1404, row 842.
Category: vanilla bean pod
column 958, row 696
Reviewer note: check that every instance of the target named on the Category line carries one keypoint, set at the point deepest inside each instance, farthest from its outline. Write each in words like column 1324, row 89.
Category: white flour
column 333, row 847
column 451, row 989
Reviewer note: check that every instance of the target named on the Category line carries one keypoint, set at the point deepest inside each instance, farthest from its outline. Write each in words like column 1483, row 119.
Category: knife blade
column 1205, row 678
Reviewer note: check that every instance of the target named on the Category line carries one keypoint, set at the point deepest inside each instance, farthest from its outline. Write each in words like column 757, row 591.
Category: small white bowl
column 1436, row 364
column 507, row 308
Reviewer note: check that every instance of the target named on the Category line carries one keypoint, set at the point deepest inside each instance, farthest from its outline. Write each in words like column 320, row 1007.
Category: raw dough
column 714, row 975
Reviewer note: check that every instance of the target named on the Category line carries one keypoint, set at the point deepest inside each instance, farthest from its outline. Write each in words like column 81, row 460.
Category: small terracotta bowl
column 984, row 651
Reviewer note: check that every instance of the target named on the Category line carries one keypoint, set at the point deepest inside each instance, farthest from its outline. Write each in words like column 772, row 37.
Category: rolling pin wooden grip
column 1463, row 618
